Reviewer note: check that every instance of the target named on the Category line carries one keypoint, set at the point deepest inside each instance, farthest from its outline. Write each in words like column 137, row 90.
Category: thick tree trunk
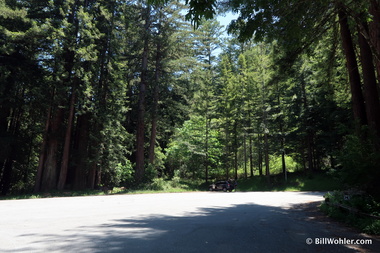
column 13, row 134
column 154, row 115
column 6, row 151
column 95, row 175
column 374, row 33
column 371, row 94
column 50, row 167
column 140, row 170
column 66, row 149
column 82, row 140
column 6, row 145
column 10, row 150
column 353, row 71
column 140, row 134
column 37, row 185
column 5, row 181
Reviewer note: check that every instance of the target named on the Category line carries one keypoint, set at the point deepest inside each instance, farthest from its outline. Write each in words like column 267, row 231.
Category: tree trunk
column 260, row 160
column 371, row 94
column 245, row 156
column 10, row 147
column 310, row 154
column 284, row 170
column 250, row 155
column 154, row 115
column 37, row 185
column 284, row 165
column 353, row 70
column 206, row 147
column 82, row 140
column 266, row 156
column 5, row 181
column 235, row 150
column 66, row 149
column 227, row 152
column 6, row 137
column 50, row 167
column 374, row 33
column 140, row 134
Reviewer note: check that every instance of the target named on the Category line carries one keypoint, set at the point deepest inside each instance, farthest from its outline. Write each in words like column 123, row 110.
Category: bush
column 162, row 184
column 276, row 164
column 373, row 228
column 360, row 164
column 175, row 182
column 353, row 208
column 124, row 173
column 158, row 184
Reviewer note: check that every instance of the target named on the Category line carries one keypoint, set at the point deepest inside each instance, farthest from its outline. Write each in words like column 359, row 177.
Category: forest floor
column 295, row 182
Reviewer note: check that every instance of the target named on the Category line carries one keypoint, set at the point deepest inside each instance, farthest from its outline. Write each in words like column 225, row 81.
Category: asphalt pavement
column 177, row 222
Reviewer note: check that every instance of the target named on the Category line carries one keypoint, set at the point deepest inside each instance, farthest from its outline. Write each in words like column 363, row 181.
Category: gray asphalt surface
column 175, row 222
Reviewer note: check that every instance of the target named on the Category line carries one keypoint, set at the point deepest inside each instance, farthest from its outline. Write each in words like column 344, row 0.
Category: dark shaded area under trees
column 118, row 93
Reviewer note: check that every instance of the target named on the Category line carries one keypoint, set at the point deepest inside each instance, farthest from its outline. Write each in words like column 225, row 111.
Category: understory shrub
column 360, row 164
column 354, row 207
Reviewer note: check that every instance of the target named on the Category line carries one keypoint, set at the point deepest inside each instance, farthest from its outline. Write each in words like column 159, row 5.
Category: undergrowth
column 354, row 208
column 296, row 181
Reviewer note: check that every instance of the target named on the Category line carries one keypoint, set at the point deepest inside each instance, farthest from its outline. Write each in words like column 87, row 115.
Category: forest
column 118, row 93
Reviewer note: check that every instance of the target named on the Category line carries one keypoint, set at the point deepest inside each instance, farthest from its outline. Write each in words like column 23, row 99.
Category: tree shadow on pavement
column 238, row 228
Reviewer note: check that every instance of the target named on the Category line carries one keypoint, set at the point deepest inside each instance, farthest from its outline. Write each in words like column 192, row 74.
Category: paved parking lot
column 175, row 222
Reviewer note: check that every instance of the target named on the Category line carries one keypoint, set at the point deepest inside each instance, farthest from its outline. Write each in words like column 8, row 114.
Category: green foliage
column 353, row 207
column 150, row 173
column 276, row 164
column 186, row 153
column 123, row 174
column 287, row 94
column 119, row 175
column 360, row 161
column 372, row 228
column 296, row 181
column 162, row 184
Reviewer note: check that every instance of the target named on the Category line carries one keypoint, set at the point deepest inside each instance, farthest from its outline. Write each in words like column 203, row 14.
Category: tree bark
column 266, row 156
column 235, row 150
column 260, row 160
column 50, row 167
column 245, row 156
column 371, row 94
column 353, row 70
column 6, row 137
column 66, row 149
column 37, row 185
column 12, row 134
column 140, row 134
column 207, row 146
column 82, row 141
column 250, row 155
column 154, row 115
column 374, row 33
